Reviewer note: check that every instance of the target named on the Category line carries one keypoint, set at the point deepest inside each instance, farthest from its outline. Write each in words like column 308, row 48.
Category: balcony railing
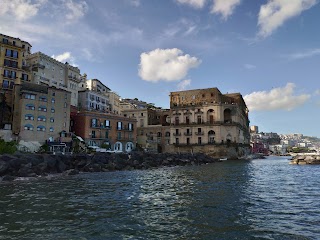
column 188, row 133
column 176, row 134
column 199, row 133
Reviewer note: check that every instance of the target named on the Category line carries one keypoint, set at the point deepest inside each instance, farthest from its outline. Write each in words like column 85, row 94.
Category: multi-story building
column 202, row 120
column 114, row 100
column 206, row 117
column 13, row 52
column 41, row 113
column 93, row 101
column 48, row 71
column 115, row 132
column 94, row 97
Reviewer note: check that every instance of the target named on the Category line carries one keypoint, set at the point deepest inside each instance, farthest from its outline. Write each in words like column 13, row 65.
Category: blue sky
column 268, row 50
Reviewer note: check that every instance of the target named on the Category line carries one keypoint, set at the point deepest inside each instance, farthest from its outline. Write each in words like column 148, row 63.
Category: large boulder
column 3, row 167
column 60, row 166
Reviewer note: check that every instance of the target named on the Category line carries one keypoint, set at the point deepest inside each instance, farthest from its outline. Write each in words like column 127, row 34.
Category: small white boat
column 223, row 159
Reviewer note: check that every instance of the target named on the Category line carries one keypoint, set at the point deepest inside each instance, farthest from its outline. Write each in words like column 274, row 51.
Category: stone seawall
column 33, row 165
column 306, row 159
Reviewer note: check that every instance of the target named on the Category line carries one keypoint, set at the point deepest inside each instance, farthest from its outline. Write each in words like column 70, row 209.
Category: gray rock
column 3, row 167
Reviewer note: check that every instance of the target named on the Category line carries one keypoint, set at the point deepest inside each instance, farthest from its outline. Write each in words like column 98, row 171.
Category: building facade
column 13, row 53
column 112, row 131
column 47, row 71
column 41, row 113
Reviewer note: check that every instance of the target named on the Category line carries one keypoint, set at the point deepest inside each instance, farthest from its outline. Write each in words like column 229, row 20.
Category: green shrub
column 7, row 147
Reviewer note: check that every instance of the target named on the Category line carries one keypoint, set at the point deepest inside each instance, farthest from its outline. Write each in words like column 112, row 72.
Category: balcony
column 44, row 79
column 100, row 126
column 188, row 133
column 63, row 85
column 177, row 134
column 37, row 65
column 199, row 133
column 198, row 112
column 176, row 113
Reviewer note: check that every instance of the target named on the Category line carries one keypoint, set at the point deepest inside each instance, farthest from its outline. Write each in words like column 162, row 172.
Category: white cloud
column 76, row 10
column 135, row 3
column 21, row 9
column 224, row 7
column 193, row 3
column 166, row 64
column 275, row 12
column 184, row 84
column 65, row 57
column 306, row 54
column 276, row 99
column 249, row 66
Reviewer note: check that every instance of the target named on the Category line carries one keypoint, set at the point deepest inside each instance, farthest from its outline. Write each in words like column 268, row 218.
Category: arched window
column 229, row 138
column 42, row 118
column 227, row 115
column 42, row 108
column 41, row 128
column 210, row 116
column 28, row 117
column 167, row 134
column 28, row 127
column 211, row 136
column 43, row 98
column 51, row 129
column 30, row 106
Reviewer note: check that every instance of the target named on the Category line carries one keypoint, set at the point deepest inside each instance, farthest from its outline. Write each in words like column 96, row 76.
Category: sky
column 267, row 50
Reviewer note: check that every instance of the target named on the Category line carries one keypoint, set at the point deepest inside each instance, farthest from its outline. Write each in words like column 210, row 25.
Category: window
column 177, row 140
column 107, row 134
column 93, row 134
column 52, row 110
column 29, row 117
column 130, row 126
column 24, row 77
column 5, row 84
column 51, row 129
column 42, row 118
column 42, row 108
column 28, row 127
column 53, row 93
column 118, row 135
column 41, row 128
column 94, row 122
column 43, row 98
column 9, row 63
column 30, row 107
column 53, row 100
column 8, row 53
column 199, row 140
column 107, row 123
column 141, row 114
column 119, row 126
column 29, row 96
column 52, row 119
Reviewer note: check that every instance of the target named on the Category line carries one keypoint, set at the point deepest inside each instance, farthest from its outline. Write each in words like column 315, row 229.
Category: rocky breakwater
column 34, row 165
column 306, row 159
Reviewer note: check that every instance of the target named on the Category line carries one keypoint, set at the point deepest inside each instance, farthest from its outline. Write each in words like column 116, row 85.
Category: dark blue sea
column 258, row 199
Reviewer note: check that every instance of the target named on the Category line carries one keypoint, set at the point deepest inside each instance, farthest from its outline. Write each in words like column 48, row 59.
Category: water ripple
column 265, row 199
